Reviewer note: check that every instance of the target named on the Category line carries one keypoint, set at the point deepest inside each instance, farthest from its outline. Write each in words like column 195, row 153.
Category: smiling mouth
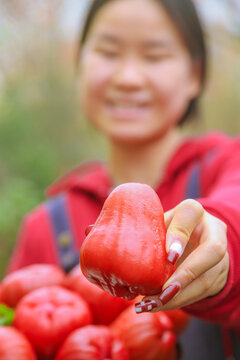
column 128, row 110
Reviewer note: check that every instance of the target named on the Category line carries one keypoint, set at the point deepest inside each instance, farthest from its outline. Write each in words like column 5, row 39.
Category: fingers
column 207, row 284
column 181, row 222
column 211, row 250
column 202, row 273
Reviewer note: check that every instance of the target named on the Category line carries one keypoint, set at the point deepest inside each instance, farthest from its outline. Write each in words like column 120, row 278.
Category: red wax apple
column 105, row 307
column 147, row 336
column 20, row 282
column 14, row 345
column 93, row 342
column 180, row 320
column 124, row 253
column 48, row 315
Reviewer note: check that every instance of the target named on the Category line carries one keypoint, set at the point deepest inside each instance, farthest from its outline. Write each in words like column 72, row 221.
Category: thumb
column 186, row 217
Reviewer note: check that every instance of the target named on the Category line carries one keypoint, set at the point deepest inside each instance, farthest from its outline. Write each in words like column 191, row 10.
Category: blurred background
column 42, row 132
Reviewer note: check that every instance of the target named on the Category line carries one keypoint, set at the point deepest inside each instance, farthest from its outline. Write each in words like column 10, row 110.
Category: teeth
column 126, row 106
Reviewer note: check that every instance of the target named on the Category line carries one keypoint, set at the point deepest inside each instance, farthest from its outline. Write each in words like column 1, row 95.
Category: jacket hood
column 84, row 177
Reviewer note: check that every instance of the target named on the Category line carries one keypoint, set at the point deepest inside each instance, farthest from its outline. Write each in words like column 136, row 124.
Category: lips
column 128, row 109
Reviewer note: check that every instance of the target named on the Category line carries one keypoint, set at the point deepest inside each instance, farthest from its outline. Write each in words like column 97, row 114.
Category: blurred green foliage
column 42, row 135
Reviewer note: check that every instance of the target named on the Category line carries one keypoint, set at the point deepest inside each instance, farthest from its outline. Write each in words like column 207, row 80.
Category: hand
column 197, row 241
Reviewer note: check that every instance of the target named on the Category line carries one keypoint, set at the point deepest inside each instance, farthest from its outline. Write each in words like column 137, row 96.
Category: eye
column 156, row 57
column 107, row 52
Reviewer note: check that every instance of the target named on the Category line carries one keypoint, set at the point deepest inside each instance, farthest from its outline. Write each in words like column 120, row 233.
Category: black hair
column 185, row 17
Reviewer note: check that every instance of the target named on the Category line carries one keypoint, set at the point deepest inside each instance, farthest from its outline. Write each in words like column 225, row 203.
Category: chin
column 131, row 139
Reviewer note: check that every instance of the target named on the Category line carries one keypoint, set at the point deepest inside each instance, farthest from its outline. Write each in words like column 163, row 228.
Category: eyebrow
column 109, row 38
column 158, row 44
column 149, row 44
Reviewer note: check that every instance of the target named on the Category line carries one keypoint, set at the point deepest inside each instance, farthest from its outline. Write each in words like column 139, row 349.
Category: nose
column 129, row 74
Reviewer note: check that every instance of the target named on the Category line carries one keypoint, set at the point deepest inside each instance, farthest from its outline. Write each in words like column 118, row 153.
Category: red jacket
column 87, row 187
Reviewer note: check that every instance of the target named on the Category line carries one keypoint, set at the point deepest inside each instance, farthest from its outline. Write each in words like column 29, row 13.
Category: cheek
column 94, row 78
column 172, row 83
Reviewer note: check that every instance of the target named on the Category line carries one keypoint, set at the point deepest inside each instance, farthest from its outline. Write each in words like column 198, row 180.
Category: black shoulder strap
column 236, row 344
column 63, row 236
column 194, row 191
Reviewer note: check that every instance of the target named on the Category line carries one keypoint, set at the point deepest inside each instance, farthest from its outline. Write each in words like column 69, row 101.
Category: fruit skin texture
column 147, row 336
column 21, row 282
column 105, row 307
column 125, row 253
column 93, row 342
column 180, row 320
column 14, row 345
column 48, row 315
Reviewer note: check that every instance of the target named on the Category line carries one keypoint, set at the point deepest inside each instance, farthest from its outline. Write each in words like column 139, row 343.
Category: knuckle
column 226, row 261
column 189, row 275
column 219, row 249
column 206, row 282
column 180, row 230
column 213, row 283
column 222, row 225
column 193, row 204
column 223, row 278
column 217, row 222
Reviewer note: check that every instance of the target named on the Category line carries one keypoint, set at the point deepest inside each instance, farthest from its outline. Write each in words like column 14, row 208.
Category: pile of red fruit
column 46, row 314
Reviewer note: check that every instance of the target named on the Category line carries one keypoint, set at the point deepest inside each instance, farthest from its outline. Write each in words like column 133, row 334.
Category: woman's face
column 136, row 76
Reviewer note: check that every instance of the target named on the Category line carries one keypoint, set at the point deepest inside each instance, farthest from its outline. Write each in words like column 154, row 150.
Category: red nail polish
column 88, row 229
column 169, row 292
column 145, row 306
column 173, row 256
column 175, row 251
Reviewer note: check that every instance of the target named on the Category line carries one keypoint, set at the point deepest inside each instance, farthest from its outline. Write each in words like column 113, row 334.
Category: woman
column 142, row 67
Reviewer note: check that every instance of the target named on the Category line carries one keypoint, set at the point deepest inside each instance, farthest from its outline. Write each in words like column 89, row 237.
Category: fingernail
column 175, row 251
column 168, row 293
column 88, row 229
column 145, row 306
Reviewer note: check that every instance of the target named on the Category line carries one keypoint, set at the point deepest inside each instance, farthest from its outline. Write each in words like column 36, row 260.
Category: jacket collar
column 93, row 176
